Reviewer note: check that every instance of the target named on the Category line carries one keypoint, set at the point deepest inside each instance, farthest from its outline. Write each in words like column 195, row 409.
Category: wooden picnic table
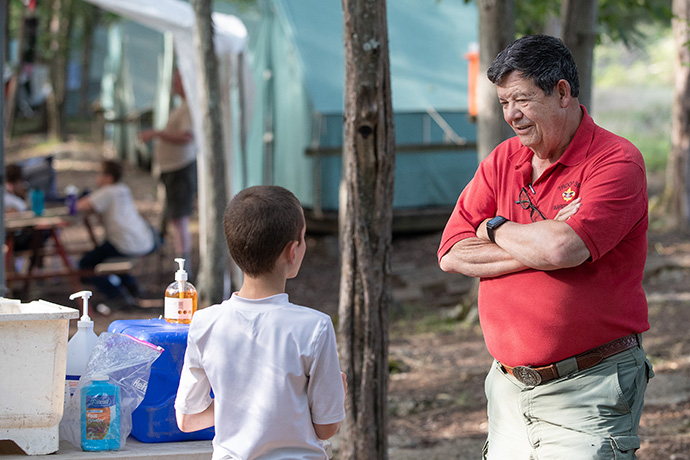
column 41, row 229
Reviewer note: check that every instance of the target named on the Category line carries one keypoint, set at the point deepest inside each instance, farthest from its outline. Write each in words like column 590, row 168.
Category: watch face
column 496, row 221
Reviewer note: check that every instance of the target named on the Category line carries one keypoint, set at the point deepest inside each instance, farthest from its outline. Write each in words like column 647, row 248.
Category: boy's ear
column 290, row 251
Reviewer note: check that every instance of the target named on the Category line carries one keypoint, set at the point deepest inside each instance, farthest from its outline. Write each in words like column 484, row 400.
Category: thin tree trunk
column 496, row 31
column 213, row 264
column 676, row 201
column 11, row 101
column 92, row 17
column 6, row 28
column 580, row 34
column 60, row 31
column 365, row 229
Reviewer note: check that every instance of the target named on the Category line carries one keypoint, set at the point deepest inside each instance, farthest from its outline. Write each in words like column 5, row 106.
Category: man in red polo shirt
column 554, row 223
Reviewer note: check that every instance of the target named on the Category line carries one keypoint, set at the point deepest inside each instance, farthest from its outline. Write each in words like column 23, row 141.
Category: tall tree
column 214, row 260
column 60, row 29
column 676, row 199
column 366, row 214
column 496, row 31
column 580, row 35
column 90, row 17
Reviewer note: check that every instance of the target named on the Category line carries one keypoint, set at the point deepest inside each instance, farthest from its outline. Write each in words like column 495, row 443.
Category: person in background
column 127, row 234
column 15, row 189
column 554, row 223
column 272, row 365
column 175, row 156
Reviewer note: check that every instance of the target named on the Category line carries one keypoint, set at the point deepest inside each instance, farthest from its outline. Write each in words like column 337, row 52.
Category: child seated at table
column 127, row 234
column 15, row 202
column 272, row 365
column 15, row 189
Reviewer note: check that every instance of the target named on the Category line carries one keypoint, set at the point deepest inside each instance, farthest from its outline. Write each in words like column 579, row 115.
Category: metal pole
column 3, row 25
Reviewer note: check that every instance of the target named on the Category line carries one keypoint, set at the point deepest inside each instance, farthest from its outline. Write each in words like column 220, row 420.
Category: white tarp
column 230, row 40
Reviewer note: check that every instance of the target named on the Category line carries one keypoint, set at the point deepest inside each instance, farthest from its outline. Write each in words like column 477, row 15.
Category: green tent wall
column 296, row 53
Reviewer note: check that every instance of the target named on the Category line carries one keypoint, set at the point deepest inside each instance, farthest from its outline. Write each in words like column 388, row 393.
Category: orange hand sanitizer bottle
column 180, row 298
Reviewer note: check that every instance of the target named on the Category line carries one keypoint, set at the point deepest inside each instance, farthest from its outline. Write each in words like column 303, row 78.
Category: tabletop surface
column 133, row 449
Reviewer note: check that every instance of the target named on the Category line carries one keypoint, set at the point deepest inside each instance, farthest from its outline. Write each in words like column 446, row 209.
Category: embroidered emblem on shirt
column 569, row 194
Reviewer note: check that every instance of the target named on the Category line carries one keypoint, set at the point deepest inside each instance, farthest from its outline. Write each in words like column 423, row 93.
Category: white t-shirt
column 13, row 202
column 124, row 227
column 273, row 367
column 170, row 156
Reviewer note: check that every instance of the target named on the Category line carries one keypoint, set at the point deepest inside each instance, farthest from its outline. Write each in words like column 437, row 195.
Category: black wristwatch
column 493, row 224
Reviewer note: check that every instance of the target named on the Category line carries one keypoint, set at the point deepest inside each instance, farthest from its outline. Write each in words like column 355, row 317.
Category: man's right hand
column 565, row 213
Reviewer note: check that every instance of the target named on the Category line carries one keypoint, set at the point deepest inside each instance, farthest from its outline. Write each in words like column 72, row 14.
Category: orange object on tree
column 473, row 72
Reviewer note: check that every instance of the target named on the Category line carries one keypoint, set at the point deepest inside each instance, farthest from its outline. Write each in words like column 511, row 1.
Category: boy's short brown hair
column 13, row 174
column 259, row 222
column 112, row 169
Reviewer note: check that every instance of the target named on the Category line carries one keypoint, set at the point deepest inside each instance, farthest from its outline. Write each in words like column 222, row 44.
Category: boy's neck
column 262, row 286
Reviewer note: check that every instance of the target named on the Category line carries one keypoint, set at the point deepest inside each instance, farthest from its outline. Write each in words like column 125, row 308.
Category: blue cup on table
column 38, row 202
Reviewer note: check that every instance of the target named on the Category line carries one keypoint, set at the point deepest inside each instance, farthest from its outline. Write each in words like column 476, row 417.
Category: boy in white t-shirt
column 272, row 365
column 127, row 234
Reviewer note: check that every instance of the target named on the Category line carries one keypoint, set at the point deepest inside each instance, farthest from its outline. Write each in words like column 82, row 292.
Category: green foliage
column 649, row 64
column 648, row 126
column 624, row 20
column 619, row 20
column 531, row 17
column 633, row 93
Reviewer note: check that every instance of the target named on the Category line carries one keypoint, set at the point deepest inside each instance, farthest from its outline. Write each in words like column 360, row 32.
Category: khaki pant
column 589, row 415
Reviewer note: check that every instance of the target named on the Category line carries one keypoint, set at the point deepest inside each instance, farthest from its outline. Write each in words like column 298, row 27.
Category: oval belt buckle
column 527, row 376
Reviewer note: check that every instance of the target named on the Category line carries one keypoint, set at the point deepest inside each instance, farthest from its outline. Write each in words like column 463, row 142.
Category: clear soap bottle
column 180, row 297
column 79, row 346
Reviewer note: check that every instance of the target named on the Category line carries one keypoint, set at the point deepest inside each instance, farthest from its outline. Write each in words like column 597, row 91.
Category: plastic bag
column 127, row 363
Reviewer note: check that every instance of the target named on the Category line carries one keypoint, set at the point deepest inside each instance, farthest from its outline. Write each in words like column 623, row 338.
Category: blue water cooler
column 154, row 419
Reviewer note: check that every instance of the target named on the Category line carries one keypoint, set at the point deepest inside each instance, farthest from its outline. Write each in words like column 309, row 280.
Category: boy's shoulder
column 279, row 303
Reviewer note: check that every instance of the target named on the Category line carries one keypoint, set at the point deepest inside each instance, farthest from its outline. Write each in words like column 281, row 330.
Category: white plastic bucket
column 33, row 347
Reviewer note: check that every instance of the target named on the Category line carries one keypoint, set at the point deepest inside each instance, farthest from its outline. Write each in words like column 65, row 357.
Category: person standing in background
column 174, row 154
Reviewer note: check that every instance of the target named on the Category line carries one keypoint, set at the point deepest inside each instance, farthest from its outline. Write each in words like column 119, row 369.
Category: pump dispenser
column 80, row 346
column 180, row 297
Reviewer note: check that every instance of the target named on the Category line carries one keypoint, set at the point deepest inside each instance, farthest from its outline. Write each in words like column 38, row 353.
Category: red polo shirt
column 536, row 317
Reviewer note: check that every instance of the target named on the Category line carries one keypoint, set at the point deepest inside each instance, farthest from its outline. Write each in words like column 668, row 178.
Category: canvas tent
column 176, row 18
column 297, row 57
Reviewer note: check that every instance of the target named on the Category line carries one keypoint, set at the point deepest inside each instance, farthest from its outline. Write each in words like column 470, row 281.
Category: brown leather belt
column 533, row 376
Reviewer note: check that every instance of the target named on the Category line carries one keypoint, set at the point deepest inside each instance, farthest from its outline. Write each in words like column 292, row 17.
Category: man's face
column 537, row 119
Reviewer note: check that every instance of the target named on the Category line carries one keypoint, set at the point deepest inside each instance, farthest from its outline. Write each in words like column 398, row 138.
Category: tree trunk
column 6, row 29
column 496, row 31
column 213, row 263
column 676, row 201
column 580, row 35
column 11, row 100
column 60, row 31
column 91, row 17
column 366, row 210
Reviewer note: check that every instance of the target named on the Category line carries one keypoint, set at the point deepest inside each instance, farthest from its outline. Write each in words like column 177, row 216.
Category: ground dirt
column 437, row 403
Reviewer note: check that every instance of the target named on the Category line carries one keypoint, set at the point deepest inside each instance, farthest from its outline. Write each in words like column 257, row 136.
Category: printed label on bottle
column 71, row 382
column 99, row 409
column 176, row 308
